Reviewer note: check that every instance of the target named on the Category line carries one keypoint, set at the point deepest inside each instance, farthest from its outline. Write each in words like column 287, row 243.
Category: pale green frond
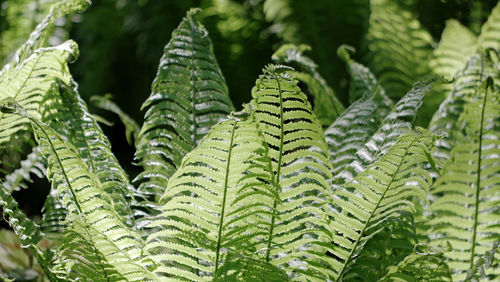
column 421, row 265
column 84, row 196
column 490, row 31
column 445, row 119
column 131, row 127
column 399, row 120
column 456, row 46
column 77, row 258
column 68, row 115
column 29, row 82
column 28, row 232
column 40, row 36
column 189, row 95
column 301, row 168
column 478, row 271
column 397, row 47
column 327, row 106
column 379, row 200
column 464, row 210
column 357, row 124
column 219, row 201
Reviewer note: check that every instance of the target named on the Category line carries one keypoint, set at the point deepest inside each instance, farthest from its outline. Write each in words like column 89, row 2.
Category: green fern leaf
column 217, row 201
column 399, row 120
column 327, row 106
column 359, row 122
column 189, row 95
column 85, row 198
column 397, row 47
column 301, row 168
column 29, row 82
column 464, row 210
column 241, row 268
column 33, row 164
column 445, row 120
column 377, row 199
column 68, row 115
column 490, row 30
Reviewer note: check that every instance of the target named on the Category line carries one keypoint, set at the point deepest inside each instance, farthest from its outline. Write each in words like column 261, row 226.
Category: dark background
column 121, row 42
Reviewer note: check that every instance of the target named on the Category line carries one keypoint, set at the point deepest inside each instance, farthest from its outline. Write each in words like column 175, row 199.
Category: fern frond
column 379, row 198
column 69, row 116
column 30, row 81
column 445, row 120
column 456, row 46
column 85, row 197
column 300, row 166
column 39, row 37
column 397, row 47
column 189, row 95
column 478, row 271
column 241, row 268
column 359, row 122
column 465, row 210
column 327, row 106
column 490, row 30
column 28, row 232
column 399, row 120
column 217, row 202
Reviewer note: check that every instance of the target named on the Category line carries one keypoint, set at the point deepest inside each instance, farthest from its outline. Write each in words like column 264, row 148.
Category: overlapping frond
column 465, row 208
column 32, row 164
column 241, row 268
column 68, row 115
column 85, row 198
column 300, row 167
column 360, row 121
column 327, row 106
column 397, row 47
column 219, row 201
column 399, row 120
column 491, row 30
column 379, row 200
column 456, row 46
column 30, row 81
column 189, row 95
column 445, row 119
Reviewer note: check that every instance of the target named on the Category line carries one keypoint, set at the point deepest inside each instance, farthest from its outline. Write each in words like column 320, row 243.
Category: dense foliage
column 398, row 180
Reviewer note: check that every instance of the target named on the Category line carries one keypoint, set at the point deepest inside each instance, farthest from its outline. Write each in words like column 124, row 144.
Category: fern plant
column 284, row 189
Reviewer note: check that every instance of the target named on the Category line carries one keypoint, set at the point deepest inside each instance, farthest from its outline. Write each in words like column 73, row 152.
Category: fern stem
column 489, row 83
column 217, row 250
column 353, row 249
column 278, row 169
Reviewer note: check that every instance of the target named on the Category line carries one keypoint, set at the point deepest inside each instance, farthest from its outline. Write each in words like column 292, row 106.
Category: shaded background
column 121, row 42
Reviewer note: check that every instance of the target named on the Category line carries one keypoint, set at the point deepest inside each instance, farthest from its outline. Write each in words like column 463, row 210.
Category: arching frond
column 30, row 81
column 327, row 106
column 39, row 37
column 445, row 120
column 189, row 95
column 456, row 46
column 69, row 116
column 397, row 47
column 378, row 200
column 360, row 121
column 491, row 30
column 85, row 198
column 219, row 201
column 465, row 210
column 300, row 167
column 399, row 120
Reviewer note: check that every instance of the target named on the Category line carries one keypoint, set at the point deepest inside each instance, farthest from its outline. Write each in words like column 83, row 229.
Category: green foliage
column 292, row 187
